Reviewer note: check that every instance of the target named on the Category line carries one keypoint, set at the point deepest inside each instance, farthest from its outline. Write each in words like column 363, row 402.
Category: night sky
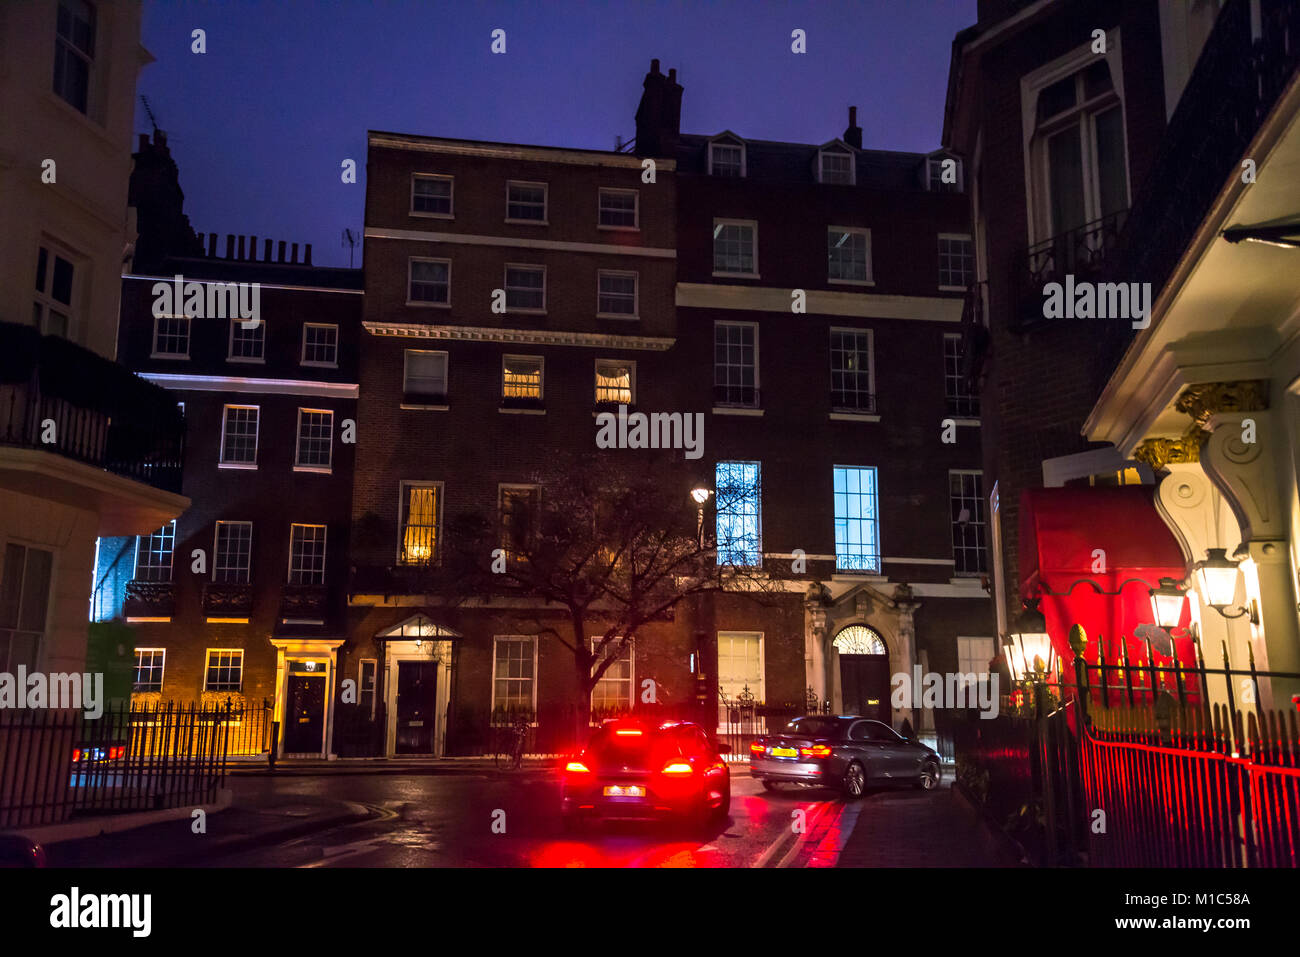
column 261, row 122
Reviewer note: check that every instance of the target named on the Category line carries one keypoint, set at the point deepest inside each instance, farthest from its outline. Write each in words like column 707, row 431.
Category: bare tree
column 609, row 544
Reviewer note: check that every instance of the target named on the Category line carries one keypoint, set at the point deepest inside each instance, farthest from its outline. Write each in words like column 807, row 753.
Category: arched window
column 859, row 640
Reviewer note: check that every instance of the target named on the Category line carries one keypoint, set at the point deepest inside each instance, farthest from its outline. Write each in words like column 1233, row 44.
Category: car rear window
column 814, row 727
column 627, row 748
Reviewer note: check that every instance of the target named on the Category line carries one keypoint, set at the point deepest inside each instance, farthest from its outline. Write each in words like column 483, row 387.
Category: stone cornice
column 551, row 337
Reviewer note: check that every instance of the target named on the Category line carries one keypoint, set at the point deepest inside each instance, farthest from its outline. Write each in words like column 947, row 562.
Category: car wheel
column 855, row 780
column 724, row 807
column 769, row 784
column 929, row 778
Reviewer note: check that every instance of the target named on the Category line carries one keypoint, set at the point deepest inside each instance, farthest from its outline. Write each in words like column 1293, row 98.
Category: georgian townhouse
column 240, row 598
column 819, row 291
column 1117, row 143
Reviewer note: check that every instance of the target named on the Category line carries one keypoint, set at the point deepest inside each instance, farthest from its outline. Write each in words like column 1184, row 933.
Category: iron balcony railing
column 1082, row 252
column 56, row 396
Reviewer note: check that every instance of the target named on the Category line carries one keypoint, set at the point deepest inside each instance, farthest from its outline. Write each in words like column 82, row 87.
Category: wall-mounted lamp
column 1029, row 647
column 1167, row 603
column 1217, row 577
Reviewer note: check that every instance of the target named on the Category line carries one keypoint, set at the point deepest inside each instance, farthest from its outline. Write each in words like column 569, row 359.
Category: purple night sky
column 261, row 122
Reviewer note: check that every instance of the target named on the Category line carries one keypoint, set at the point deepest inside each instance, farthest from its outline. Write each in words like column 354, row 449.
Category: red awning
column 1107, row 536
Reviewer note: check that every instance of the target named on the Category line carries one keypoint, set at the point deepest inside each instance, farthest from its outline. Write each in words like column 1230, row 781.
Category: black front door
column 864, row 685
column 306, row 714
column 417, row 696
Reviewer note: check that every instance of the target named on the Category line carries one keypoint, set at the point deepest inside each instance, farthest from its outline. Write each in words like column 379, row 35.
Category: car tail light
column 576, row 767
column 757, row 747
column 678, row 768
column 628, row 732
column 816, row 751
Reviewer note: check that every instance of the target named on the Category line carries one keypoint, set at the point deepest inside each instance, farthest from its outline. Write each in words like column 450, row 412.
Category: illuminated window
column 521, row 378
column 225, row 670
column 612, row 694
column 421, row 504
column 857, row 531
column 740, row 674
column 973, row 657
column 614, row 381
column 148, row 670
column 738, row 493
column 966, row 504
column 234, row 549
column 307, row 554
column 514, row 670
column 153, row 554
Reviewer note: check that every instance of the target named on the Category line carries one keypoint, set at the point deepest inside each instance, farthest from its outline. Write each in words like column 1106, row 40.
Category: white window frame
column 844, row 151
column 871, row 274
column 361, row 684
column 631, row 363
column 931, row 163
column 961, row 394
column 981, row 672
column 631, row 658
column 758, row 389
column 957, row 571
column 324, row 555
column 541, row 371
column 298, row 465
column 156, row 353
column 636, row 208
column 171, row 564
column 960, row 237
column 760, row 693
column 236, row 325
column 52, row 587
column 207, row 664
column 419, row 303
column 502, row 488
column 1038, row 223
column 533, row 681
column 451, row 196
column 871, row 359
column 44, row 297
column 835, row 519
column 403, row 501
column 302, row 358
column 257, row 437
column 726, row 140
column 216, row 550
column 636, row 294
column 517, row 310
column 753, row 224
column 546, row 203
column 94, row 69
column 162, row 671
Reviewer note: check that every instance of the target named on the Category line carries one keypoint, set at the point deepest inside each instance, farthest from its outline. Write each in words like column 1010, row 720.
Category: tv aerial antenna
column 149, row 112
column 350, row 240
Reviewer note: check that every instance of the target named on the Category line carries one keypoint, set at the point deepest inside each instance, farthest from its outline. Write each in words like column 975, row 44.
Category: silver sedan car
column 848, row 752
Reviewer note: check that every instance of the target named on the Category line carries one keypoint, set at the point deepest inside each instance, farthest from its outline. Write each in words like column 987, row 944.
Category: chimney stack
column 212, row 245
column 293, row 259
column 241, row 246
column 281, row 251
column 230, row 245
column 252, row 248
column 306, row 259
column 266, row 252
column 853, row 135
column 659, row 114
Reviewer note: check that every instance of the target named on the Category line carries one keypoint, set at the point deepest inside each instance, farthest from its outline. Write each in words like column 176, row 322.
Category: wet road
column 509, row 819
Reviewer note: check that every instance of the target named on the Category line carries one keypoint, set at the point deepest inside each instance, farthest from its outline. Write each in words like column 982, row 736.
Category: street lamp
column 1167, row 603
column 701, row 495
column 1217, row 575
column 1029, row 646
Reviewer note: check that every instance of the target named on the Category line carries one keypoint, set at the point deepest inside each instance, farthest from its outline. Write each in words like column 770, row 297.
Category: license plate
column 785, row 752
column 624, row 791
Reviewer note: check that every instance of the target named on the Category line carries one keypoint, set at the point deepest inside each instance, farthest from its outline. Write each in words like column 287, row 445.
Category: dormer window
column 943, row 174
column 835, row 165
column 727, row 158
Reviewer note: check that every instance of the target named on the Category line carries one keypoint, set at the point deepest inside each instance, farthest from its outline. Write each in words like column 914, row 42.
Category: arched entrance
column 864, row 672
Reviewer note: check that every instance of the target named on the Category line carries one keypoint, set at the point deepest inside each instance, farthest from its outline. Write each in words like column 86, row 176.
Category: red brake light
column 816, row 751
column 757, row 747
column 630, row 732
column 576, row 767
column 678, row 767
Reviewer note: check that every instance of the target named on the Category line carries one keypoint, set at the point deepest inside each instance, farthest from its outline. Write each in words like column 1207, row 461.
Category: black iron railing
column 146, row 599
column 850, row 400
column 227, row 600
column 1082, row 252
column 56, row 396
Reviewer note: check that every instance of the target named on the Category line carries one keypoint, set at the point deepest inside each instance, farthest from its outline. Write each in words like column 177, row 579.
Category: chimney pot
column 654, row 65
column 306, row 257
column 266, row 252
column 252, row 248
column 293, row 256
column 241, row 247
column 282, row 244
column 853, row 116
column 672, row 75
column 230, row 245
column 212, row 245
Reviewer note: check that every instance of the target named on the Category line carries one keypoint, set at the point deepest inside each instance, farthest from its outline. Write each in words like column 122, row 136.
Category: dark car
column 848, row 752
column 641, row 770
column 17, row 850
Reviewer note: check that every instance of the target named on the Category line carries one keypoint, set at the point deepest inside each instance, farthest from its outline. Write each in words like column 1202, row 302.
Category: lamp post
column 1030, row 655
column 701, row 495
